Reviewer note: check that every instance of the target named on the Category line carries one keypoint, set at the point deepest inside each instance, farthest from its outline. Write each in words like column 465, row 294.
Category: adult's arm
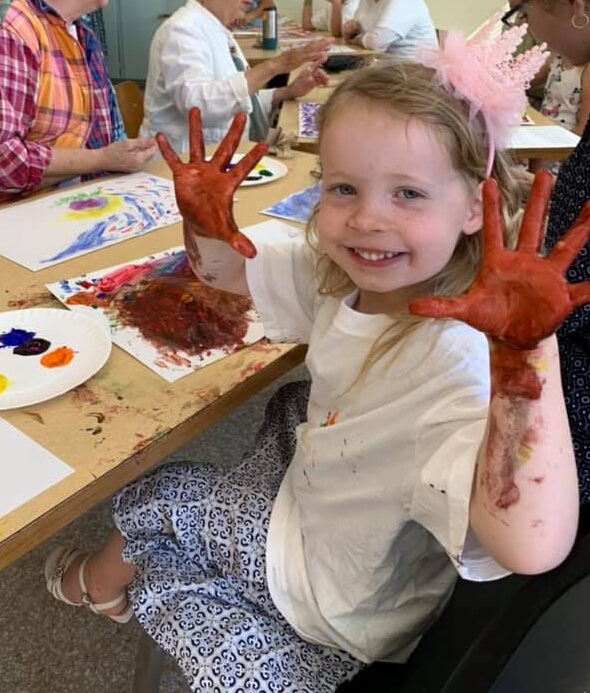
column 22, row 163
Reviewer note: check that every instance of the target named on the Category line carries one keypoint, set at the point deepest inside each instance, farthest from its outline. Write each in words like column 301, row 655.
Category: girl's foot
column 68, row 573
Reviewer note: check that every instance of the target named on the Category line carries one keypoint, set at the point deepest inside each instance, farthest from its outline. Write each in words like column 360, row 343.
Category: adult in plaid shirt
column 58, row 113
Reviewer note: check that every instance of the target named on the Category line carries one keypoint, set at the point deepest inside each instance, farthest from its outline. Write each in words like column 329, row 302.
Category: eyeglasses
column 514, row 16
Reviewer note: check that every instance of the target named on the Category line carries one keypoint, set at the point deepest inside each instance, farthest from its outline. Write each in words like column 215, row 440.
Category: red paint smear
column 512, row 373
column 498, row 478
column 178, row 312
column 57, row 358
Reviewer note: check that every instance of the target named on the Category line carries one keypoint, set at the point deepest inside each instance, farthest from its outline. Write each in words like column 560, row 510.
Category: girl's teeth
column 374, row 256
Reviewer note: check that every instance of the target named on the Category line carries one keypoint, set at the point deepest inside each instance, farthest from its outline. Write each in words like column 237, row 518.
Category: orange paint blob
column 58, row 357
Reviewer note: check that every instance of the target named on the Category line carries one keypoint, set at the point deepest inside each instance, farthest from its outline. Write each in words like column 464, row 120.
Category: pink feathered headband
column 484, row 72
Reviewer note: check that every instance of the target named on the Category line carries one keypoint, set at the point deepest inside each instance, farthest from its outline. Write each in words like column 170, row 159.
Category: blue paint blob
column 15, row 338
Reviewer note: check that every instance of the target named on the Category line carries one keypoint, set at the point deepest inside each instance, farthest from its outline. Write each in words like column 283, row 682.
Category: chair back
column 130, row 100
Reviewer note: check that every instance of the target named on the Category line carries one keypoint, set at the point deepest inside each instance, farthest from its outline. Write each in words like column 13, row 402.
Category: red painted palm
column 205, row 189
column 518, row 297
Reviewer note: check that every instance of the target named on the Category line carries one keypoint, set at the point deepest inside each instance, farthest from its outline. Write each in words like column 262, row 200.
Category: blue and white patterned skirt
column 197, row 535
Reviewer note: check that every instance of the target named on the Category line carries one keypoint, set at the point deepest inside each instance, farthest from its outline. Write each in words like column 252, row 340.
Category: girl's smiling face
column 392, row 205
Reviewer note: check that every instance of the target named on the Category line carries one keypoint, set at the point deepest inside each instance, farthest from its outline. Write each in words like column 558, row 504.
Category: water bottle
column 270, row 28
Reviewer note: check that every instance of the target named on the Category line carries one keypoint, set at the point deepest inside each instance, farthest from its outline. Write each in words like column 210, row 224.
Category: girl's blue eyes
column 404, row 193
column 343, row 189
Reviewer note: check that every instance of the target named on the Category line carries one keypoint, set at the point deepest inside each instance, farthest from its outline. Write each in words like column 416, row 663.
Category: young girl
column 337, row 541
column 329, row 15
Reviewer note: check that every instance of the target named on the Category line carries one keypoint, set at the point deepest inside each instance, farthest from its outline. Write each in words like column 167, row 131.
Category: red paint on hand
column 205, row 189
column 518, row 297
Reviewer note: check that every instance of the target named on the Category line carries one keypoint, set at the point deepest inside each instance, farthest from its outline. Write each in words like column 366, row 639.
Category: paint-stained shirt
column 371, row 523
column 54, row 92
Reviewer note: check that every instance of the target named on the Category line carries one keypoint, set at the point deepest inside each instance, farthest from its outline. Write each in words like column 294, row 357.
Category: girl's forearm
column 524, row 504
column 215, row 263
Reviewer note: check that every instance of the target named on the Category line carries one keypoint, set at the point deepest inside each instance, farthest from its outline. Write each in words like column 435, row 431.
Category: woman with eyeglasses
column 565, row 26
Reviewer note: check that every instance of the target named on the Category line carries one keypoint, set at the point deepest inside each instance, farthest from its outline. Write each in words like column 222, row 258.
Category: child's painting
column 52, row 229
column 161, row 314
column 296, row 207
column 308, row 115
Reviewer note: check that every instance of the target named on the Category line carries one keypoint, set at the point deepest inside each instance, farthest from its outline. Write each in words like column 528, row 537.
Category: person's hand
column 350, row 29
column 307, row 80
column 205, row 189
column 518, row 297
column 311, row 52
column 127, row 156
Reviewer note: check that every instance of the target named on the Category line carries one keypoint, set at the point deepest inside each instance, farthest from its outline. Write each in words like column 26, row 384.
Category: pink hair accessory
column 483, row 71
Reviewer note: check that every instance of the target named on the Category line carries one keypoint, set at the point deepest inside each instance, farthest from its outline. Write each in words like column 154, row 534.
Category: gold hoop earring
column 585, row 21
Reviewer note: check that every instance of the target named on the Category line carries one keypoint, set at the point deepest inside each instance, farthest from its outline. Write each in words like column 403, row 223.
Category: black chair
column 467, row 649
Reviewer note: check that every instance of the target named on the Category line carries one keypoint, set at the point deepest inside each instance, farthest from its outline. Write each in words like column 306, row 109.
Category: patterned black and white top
column 571, row 192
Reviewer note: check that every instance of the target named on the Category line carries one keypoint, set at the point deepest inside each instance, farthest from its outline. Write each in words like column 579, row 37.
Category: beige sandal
column 56, row 566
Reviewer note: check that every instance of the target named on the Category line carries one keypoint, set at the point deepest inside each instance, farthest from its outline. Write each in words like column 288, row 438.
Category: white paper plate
column 266, row 171
column 24, row 380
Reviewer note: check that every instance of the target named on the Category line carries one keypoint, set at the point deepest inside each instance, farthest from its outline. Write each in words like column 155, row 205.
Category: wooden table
column 124, row 420
column 289, row 114
column 551, row 154
column 255, row 55
column 289, row 122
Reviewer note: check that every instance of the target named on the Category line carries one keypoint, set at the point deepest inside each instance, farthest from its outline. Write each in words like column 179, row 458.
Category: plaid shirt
column 54, row 92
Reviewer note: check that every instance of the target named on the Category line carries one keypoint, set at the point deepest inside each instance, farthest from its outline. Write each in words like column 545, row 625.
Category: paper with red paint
column 26, row 468
column 162, row 315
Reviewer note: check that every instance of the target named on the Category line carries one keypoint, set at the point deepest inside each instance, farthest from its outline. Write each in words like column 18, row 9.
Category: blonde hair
column 409, row 90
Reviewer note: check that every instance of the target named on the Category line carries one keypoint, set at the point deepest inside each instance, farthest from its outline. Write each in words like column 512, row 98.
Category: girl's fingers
column 533, row 223
column 248, row 161
column 567, row 248
column 580, row 293
column 493, row 224
column 230, row 142
column 243, row 245
column 167, row 152
column 195, row 129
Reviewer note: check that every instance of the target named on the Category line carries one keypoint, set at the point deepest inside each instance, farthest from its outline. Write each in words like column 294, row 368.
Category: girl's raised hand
column 518, row 297
column 205, row 189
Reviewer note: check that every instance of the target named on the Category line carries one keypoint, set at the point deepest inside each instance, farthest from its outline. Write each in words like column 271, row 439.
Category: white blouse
column 190, row 65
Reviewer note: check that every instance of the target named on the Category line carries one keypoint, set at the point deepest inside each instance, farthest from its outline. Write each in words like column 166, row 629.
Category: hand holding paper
column 205, row 189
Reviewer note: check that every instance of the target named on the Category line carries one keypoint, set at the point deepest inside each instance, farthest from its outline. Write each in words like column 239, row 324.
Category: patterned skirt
column 197, row 536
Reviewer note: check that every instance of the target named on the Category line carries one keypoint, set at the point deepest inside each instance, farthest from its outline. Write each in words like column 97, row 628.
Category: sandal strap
column 87, row 600
column 67, row 557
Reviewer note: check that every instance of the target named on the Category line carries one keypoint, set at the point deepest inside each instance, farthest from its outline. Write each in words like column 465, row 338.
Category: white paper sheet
column 75, row 221
column 543, row 137
column 26, row 468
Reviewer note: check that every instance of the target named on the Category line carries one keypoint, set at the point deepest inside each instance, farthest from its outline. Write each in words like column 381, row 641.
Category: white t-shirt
column 376, row 498
column 191, row 65
column 398, row 27
column 322, row 15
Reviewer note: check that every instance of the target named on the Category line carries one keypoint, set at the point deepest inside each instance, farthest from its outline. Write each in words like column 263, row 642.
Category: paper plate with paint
column 266, row 171
column 45, row 352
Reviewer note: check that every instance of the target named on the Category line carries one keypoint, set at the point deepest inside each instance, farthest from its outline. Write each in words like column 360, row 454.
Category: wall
column 466, row 15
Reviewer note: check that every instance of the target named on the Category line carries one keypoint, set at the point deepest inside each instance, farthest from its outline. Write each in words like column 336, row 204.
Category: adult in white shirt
column 398, row 27
column 195, row 61
column 329, row 15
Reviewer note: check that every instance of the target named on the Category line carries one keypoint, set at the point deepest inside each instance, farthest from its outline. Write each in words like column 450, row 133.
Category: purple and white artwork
column 47, row 230
column 308, row 123
column 296, row 207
